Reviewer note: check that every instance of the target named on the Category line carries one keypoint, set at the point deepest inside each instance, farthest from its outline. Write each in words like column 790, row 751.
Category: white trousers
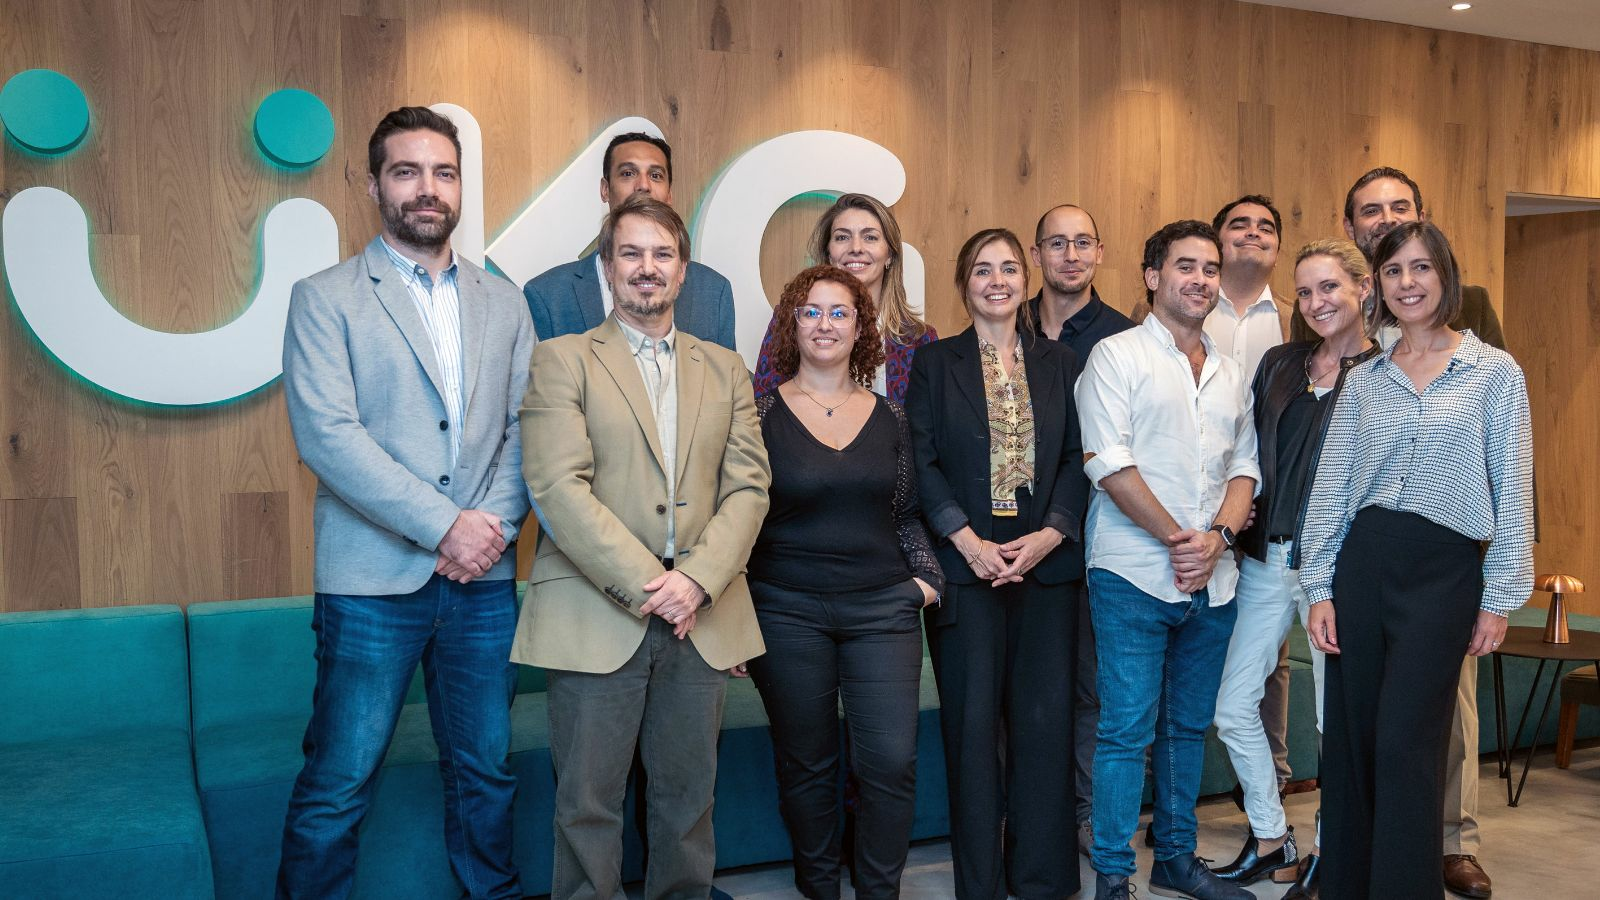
column 1268, row 598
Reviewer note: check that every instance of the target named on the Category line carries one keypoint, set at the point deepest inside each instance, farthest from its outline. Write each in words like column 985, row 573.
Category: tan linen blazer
column 593, row 463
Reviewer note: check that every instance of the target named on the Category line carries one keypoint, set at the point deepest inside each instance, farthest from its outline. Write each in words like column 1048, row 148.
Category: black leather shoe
column 1113, row 887
column 1186, row 876
column 1306, row 885
column 1250, row 866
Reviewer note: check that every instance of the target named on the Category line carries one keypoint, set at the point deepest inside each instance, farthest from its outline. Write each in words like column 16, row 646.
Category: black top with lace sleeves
column 846, row 519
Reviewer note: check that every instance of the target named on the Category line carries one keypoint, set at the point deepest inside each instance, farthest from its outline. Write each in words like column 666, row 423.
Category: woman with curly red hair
column 839, row 573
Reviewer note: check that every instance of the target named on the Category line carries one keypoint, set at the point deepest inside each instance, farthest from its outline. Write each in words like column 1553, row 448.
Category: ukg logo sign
column 47, row 256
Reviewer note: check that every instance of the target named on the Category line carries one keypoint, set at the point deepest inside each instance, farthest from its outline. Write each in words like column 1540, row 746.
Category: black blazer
column 950, row 430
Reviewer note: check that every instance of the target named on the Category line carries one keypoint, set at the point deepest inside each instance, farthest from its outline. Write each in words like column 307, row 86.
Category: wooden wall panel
column 39, row 554
column 1552, row 326
column 1140, row 110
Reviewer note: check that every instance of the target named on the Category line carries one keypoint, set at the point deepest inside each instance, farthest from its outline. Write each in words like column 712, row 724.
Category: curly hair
column 867, row 354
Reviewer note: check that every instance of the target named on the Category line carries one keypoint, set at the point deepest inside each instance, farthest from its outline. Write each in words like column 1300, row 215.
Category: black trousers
column 1005, row 669
column 864, row 649
column 1405, row 595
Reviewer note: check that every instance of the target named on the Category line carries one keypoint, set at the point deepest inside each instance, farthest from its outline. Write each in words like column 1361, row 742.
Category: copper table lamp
column 1555, row 627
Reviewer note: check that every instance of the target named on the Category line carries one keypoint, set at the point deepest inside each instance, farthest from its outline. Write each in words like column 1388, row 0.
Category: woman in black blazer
column 1000, row 472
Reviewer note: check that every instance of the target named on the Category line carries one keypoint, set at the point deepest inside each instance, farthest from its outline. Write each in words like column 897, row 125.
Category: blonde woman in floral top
column 1000, row 474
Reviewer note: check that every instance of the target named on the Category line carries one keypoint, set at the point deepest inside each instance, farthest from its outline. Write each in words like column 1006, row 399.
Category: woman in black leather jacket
column 1295, row 388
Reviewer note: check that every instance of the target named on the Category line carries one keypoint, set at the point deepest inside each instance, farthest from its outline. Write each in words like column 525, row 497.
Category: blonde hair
column 899, row 322
column 1354, row 263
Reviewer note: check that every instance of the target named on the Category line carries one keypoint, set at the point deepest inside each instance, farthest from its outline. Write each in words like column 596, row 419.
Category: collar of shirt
column 413, row 270
column 986, row 348
column 1468, row 353
column 1225, row 305
column 1075, row 324
column 639, row 342
column 605, row 286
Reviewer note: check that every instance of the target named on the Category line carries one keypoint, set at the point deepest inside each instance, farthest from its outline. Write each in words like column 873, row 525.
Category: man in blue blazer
column 403, row 369
column 574, row 297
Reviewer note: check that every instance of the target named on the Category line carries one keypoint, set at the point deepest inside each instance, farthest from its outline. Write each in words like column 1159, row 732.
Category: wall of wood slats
column 1141, row 110
column 1553, row 327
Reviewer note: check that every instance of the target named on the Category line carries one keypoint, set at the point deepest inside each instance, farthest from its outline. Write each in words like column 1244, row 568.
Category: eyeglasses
column 1082, row 243
column 811, row 315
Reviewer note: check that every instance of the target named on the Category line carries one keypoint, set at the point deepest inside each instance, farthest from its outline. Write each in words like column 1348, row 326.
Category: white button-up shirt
column 605, row 286
column 1139, row 405
column 1245, row 340
column 439, row 304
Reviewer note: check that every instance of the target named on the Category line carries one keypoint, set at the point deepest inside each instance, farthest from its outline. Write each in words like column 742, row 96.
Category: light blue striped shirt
column 439, row 304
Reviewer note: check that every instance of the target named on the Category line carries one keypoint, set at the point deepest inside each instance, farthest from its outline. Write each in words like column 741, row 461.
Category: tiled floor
column 1547, row 848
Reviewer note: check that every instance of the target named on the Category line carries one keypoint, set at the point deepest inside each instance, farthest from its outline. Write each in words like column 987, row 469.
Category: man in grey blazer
column 403, row 369
column 574, row 297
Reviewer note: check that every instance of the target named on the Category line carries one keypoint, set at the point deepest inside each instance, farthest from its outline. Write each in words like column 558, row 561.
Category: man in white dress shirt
column 1170, row 446
column 1250, row 320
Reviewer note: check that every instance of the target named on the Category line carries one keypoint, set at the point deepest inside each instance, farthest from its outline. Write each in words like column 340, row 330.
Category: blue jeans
column 367, row 650
column 1160, row 665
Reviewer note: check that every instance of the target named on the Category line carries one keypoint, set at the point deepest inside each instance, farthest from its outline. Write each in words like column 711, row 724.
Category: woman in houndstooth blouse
column 1417, row 544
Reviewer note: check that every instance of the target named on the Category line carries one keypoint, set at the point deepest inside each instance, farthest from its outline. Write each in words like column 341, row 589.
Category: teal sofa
column 252, row 674
column 97, row 789
column 98, row 792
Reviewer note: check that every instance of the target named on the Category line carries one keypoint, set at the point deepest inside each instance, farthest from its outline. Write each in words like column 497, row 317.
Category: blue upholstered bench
column 252, row 673
column 97, row 790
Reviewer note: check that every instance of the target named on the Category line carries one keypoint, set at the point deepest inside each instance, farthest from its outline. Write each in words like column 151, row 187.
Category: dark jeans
column 367, row 650
column 866, row 650
column 1405, row 595
column 1160, row 665
column 666, row 701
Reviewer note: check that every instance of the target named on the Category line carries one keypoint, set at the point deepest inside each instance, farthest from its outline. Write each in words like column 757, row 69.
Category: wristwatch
column 1228, row 537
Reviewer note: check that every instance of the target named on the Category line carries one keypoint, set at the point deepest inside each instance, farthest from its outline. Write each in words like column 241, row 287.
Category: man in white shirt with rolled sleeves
column 1169, row 444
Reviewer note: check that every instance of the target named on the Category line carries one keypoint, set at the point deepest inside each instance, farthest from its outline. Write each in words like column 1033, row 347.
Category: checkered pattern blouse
column 1459, row 454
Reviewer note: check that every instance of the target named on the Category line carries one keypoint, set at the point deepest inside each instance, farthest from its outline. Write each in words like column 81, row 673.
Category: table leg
column 1516, row 738
column 1534, row 741
column 1502, row 753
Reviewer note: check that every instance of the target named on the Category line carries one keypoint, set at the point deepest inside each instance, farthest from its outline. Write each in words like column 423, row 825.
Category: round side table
column 1529, row 643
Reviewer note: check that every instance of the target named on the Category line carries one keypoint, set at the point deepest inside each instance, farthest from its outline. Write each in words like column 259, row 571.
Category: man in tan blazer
column 643, row 452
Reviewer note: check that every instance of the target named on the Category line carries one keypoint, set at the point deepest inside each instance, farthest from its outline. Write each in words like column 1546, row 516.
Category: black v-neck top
column 841, row 520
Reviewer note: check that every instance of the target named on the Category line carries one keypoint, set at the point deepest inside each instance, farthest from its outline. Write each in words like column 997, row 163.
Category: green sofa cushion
column 81, row 673
column 112, row 815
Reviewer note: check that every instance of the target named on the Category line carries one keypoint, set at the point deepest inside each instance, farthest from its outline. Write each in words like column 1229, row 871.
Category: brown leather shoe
column 1463, row 875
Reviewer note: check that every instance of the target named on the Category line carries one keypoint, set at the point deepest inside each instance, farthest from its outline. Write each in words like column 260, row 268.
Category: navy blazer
column 950, row 429
column 566, row 300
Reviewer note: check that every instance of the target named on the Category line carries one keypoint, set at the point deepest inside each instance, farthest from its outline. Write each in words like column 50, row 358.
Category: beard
column 1061, row 285
column 430, row 234
column 1368, row 243
column 632, row 303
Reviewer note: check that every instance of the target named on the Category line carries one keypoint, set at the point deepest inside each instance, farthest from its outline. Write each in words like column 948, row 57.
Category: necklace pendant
column 830, row 413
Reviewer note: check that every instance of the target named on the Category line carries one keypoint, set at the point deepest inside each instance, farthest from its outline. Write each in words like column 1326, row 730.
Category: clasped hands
column 676, row 598
column 1194, row 555
column 471, row 547
column 1003, row 563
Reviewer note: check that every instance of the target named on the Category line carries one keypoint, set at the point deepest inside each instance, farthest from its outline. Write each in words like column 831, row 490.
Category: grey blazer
column 566, row 300
column 361, row 381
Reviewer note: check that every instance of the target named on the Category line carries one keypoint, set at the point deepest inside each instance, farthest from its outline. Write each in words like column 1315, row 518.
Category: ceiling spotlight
column 1458, row 7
